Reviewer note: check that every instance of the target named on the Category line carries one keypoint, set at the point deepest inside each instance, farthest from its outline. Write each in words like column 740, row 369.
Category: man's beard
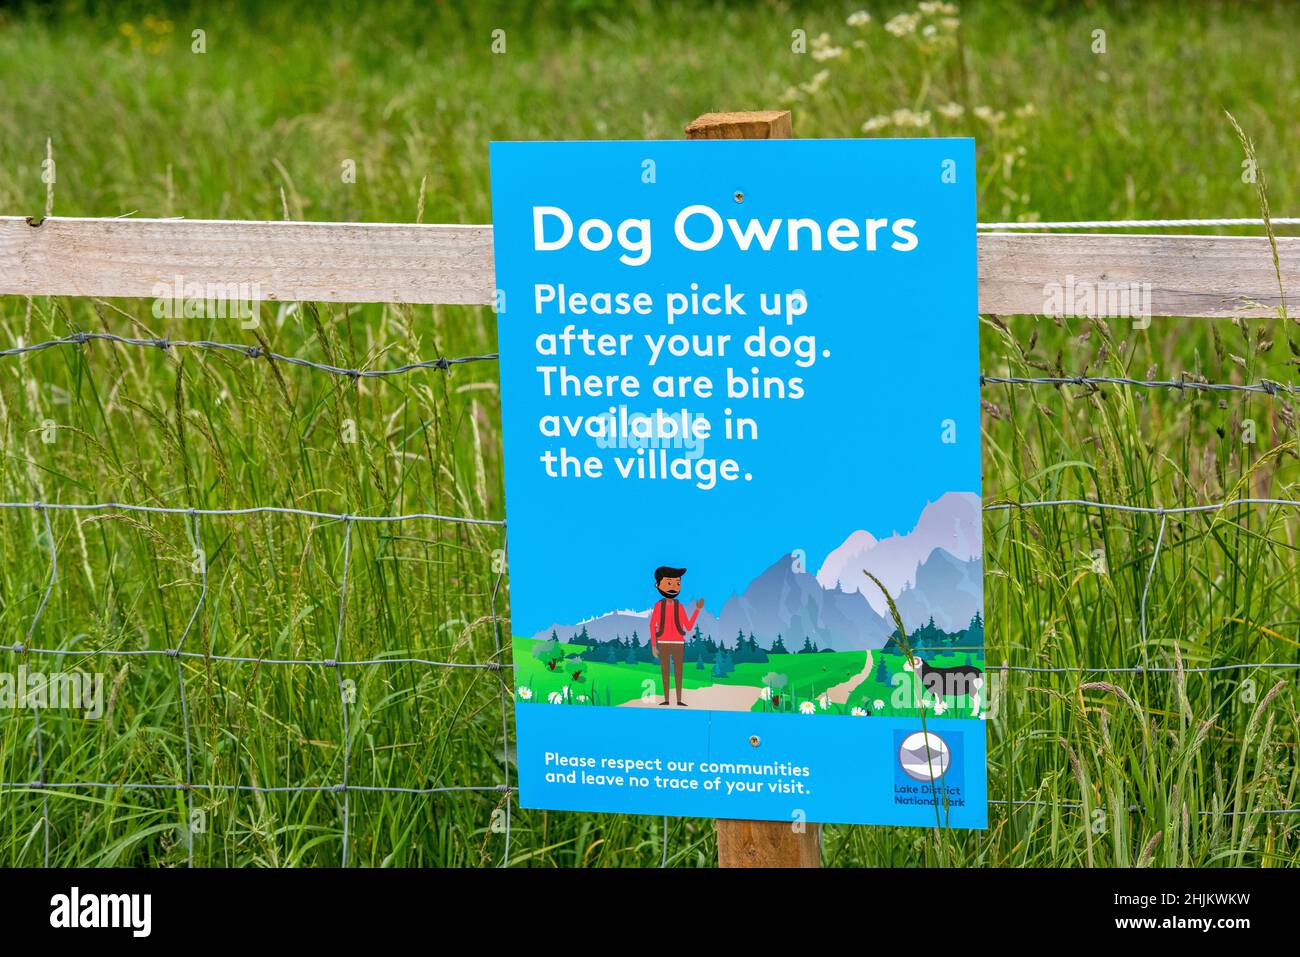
column 667, row 594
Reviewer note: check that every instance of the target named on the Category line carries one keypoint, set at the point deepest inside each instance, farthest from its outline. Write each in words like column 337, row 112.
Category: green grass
column 614, row 684
column 259, row 126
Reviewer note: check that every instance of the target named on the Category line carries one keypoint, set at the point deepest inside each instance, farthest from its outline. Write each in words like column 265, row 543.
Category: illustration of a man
column 669, row 626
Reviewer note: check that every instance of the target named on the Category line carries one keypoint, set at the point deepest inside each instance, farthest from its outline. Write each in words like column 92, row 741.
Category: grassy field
column 614, row 684
column 1119, row 769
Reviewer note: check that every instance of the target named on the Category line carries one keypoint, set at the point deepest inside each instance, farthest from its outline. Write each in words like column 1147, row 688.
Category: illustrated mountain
column 934, row 571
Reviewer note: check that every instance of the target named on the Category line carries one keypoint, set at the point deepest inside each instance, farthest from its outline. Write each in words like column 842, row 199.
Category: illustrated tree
column 549, row 654
column 723, row 664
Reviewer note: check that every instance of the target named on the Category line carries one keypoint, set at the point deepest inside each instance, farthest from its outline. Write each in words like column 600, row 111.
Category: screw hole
column 740, row 197
column 754, row 740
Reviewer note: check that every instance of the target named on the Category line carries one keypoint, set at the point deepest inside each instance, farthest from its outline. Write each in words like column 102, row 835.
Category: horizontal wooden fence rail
column 1019, row 273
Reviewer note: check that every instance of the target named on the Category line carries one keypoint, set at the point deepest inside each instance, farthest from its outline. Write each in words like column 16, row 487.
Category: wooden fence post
column 758, row 843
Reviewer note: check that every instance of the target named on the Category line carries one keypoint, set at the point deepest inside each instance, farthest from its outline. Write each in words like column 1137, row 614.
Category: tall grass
column 1120, row 769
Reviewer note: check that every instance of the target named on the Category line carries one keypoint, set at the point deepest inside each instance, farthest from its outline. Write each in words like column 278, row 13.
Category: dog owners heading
column 700, row 228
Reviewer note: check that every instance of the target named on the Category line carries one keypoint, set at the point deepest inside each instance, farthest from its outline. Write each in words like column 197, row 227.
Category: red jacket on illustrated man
column 669, row 626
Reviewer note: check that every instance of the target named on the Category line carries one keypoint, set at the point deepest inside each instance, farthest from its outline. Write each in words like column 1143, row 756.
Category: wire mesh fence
column 338, row 663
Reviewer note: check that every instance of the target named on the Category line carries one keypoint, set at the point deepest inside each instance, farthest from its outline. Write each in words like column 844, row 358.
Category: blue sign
column 740, row 394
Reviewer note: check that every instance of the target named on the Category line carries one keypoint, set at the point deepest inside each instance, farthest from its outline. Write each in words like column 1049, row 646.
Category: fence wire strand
column 338, row 671
column 504, row 678
column 202, row 559
column 247, row 351
column 1141, row 223
column 444, row 364
column 36, row 711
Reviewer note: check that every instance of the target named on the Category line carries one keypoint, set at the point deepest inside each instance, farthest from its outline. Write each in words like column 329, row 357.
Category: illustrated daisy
column 807, row 708
column 525, row 693
column 859, row 712
column 555, row 697
column 765, row 693
column 878, row 705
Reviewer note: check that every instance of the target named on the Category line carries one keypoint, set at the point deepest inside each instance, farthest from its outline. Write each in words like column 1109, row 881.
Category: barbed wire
column 1182, row 383
column 247, row 351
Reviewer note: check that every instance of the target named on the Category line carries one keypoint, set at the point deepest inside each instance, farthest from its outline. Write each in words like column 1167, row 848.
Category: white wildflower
column 817, row 82
column 905, row 117
column 525, row 693
column 902, row 24
column 859, row 19
column 807, row 708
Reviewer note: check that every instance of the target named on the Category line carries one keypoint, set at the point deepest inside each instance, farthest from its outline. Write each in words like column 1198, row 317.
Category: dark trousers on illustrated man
column 674, row 654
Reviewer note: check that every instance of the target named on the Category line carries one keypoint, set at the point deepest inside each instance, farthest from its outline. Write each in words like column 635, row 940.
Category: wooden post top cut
column 761, row 125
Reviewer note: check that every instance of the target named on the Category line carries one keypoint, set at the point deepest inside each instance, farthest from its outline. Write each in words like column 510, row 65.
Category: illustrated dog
column 949, row 682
